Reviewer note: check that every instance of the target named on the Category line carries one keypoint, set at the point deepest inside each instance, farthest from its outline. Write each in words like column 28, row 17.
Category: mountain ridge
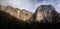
column 18, row 13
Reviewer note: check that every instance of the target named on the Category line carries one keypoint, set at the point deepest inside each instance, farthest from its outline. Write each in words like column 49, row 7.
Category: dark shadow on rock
column 45, row 24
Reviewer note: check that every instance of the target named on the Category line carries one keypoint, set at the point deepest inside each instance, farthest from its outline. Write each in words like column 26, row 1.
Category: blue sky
column 31, row 5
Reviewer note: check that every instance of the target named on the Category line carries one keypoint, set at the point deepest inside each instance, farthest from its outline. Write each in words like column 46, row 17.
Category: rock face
column 18, row 13
column 45, row 13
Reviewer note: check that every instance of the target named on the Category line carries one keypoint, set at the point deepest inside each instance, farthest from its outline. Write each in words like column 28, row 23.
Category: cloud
column 31, row 5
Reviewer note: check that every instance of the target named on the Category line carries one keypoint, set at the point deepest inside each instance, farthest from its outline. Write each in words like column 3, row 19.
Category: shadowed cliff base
column 9, row 22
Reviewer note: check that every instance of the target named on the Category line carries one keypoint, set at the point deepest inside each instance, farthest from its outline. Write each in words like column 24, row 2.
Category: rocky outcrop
column 46, row 13
column 18, row 13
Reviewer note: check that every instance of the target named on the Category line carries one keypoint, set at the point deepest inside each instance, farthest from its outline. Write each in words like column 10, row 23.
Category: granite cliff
column 18, row 13
column 42, row 13
column 46, row 13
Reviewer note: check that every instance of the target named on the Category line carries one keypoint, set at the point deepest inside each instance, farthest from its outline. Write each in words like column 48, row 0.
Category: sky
column 31, row 5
